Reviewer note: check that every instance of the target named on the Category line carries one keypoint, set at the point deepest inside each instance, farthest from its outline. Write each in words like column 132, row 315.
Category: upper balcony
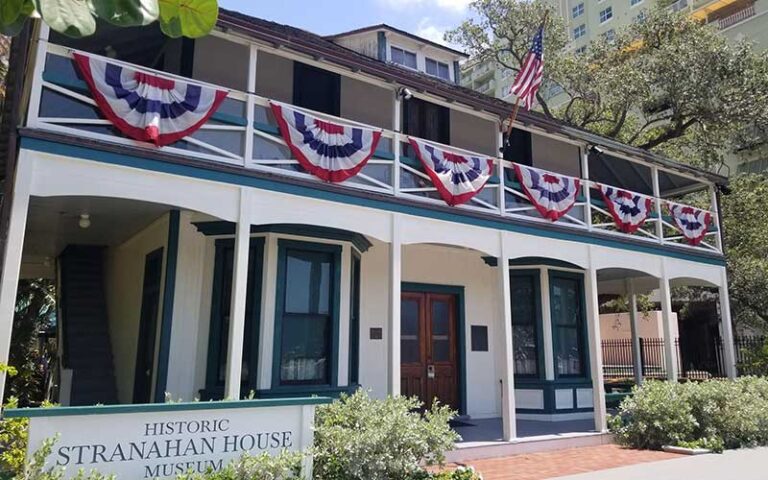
column 244, row 134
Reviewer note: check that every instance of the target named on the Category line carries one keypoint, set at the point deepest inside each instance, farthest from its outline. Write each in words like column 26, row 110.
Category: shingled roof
column 319, row 47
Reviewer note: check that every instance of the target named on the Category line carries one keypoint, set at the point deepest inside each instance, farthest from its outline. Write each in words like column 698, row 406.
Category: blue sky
column 427, row 18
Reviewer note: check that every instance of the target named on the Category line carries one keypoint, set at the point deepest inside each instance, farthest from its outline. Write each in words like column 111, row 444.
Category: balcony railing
column 737, row 17
column 243, row 132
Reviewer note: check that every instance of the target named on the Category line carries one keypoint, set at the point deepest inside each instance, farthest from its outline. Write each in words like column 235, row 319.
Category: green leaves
column 13, row 14
column 127, row 13
column 78, row 18
column 188, row 18
column 69, row 17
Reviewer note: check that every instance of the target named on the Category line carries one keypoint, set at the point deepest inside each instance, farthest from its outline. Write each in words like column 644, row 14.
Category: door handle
column 430, row 371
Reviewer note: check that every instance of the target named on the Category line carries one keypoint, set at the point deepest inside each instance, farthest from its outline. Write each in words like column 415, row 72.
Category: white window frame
column 606, row 10
column 582, row 29
column 437, row 63
column 578, row 10
column 405, row 50
column 634, row 3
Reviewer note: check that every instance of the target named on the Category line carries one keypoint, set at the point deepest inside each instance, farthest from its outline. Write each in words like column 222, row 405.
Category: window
column 580, row 50
column 610, row 35
column 403, row 57
column 438, row 69
column 632, row 3
column 568, row 335
column 306, row 314
column 579, row 31
column 218, row 339
column 578, row 10
column 640, row 18
column 606, row 14
column 354, row 321
column 524, row 294
column 316, row 89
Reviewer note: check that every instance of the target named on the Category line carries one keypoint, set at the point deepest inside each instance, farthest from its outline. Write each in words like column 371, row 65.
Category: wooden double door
column 428, row 348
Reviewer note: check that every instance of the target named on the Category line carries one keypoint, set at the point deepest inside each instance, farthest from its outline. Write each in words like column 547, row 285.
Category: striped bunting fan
column 552, row 194
column 629, row 210
column 691, row 222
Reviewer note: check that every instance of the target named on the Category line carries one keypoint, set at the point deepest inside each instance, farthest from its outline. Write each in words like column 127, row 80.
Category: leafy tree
column 5, row 46
column 30, row 357
column 77, row 18
column 668, row 83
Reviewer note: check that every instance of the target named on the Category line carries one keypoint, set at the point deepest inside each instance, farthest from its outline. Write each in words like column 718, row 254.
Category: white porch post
column 637, row 362
column 12, row 261
column 239, row 294
column 395, row 279
column 670, row 352
column 508, row 414
column 546, row 326
column 726, row 327
column 595, row 347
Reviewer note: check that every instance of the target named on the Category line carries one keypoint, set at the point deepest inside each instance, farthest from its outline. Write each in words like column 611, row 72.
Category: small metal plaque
column 377, row 333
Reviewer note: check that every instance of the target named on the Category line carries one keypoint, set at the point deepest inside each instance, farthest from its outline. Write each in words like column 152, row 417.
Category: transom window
column 577, row 10
column 437, row 69
column 526, row 312
column 568, row 329
column 307, row 312
column 579, row 31
column 403, row 57
column 606, row 14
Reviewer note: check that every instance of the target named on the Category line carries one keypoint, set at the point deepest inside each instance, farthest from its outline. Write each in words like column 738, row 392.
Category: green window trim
column 214, row 389
column 335, row 250
column 354, row 319
column 535, row 275
column 581, row 329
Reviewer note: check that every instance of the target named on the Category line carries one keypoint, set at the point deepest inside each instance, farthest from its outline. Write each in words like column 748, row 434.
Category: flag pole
column 513, row 116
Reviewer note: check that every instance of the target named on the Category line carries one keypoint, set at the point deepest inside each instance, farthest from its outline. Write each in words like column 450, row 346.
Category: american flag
column 528, row 78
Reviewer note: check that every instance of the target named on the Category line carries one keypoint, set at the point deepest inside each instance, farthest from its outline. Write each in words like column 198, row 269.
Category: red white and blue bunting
column 330, row 151
column 457, row 176
column 691, row 222
column 148, row 107
column 628, row 209
column 553, row 195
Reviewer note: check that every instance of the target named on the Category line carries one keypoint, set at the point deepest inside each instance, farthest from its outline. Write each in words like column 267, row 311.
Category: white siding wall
column 124, row 277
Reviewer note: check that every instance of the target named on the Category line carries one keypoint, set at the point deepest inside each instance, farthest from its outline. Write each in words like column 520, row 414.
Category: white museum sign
column 163, row 440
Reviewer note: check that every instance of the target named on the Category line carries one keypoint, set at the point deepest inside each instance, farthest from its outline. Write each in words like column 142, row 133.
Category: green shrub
column 13, row 443
column 285, row 466
column 716, row 413
column 35, row 468
column 359, row 438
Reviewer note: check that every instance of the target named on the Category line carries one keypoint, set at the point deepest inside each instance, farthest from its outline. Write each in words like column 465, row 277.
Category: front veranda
column 270, row 295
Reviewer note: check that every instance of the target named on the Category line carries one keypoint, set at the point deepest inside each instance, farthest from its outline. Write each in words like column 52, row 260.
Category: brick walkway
column 540, row 466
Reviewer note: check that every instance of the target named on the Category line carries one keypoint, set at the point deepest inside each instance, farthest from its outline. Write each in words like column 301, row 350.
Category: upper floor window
column 580, row 50
column 578, row 10
column 579, row 31
column 606, row 14
column 403, row 57
column 632, row 3
column 640, row 18
column 610, row 35
column 437, row 69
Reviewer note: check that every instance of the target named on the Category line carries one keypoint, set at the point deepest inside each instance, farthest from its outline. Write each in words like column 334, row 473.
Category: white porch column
column 637, row 363
column 670, row 352
column 12, row 261
column 595, row 347
column 726, row 326
column 508, row 414
column 239, row 294
column 546, row 325
column 395, row 279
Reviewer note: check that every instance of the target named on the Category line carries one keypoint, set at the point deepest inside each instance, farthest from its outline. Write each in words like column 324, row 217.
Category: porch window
column 403, row 57
column 218, row 340
column 307, row 313
column 568, row 323
column 526, row 312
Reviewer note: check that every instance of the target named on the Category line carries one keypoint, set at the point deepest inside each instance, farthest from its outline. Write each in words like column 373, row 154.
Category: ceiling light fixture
column 85, row 220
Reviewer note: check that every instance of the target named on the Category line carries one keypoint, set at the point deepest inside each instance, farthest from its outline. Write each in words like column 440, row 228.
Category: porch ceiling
column 52, row 223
